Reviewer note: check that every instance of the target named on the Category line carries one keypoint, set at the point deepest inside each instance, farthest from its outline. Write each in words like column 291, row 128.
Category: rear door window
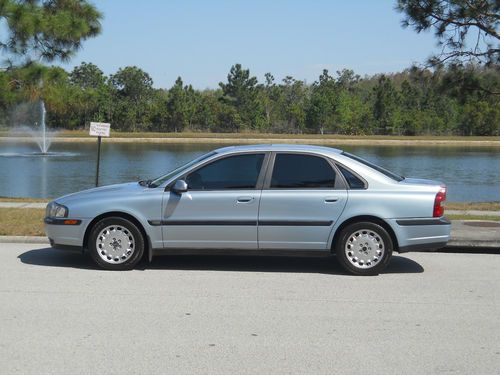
column 298, row 171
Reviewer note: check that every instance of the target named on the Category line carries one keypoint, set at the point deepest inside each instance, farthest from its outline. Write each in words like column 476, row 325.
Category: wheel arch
column 367, row 218
column 124, row 215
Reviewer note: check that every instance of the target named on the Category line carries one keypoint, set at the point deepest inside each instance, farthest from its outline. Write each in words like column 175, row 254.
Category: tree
column 321, row 111
column 384, row 106
column 132, row 89
column 92, row 94
column 31, row 80
column 241, row 91
column 293, row 104
column 87, row 76
column 208, row 109
column 132, row 82
column 7, row 97
column 466, row 29
column 180, row 105
column 347, row 79
column 46, row 30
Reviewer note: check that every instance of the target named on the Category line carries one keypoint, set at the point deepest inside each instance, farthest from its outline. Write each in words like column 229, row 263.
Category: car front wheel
column 364, row 248
column 116, row 243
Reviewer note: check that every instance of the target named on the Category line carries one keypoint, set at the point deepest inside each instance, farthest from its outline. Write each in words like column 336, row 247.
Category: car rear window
column 384, row 171
column 353, row 181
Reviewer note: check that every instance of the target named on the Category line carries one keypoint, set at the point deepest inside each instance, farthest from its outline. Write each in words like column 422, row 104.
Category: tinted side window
column 233, row 172
column 352, row 180
column 302, row 171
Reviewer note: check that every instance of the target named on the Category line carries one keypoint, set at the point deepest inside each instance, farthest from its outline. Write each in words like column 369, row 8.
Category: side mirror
column 180, row 187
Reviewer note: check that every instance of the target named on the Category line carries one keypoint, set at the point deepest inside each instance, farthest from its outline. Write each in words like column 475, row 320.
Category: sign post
column 99, row 130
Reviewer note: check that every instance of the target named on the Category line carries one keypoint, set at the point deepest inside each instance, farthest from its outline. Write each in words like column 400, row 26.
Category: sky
column 200, row 40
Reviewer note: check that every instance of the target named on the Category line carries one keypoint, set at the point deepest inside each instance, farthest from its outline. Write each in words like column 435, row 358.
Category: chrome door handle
column 331, row 199
column 244, row 199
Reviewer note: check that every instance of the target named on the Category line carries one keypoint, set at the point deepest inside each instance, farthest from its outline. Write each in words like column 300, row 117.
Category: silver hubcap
column 115, row 244
column 364, row 248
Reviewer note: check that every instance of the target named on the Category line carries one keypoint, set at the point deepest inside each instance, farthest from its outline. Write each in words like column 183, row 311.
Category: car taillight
column 438, row 203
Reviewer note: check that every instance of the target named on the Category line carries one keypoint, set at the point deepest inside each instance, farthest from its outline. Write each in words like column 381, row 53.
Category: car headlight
column 56, row 210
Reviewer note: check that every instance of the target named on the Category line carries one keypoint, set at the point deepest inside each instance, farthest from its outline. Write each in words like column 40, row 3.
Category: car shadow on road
column 326, row 265
column 50, row 257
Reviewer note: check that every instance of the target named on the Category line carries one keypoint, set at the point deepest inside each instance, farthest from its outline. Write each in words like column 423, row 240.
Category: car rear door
column 302, row 198
column 220, row 208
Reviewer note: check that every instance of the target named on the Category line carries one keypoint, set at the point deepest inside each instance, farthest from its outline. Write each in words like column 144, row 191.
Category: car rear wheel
column 364, row 248
column 116, row 243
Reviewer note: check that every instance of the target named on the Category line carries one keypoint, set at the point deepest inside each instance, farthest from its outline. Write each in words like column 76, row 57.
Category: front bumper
column 66, row 236
column 421, row 234
column 58, row 246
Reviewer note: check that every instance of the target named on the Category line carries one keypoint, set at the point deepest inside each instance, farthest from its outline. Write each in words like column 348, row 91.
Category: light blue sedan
column 264, row 199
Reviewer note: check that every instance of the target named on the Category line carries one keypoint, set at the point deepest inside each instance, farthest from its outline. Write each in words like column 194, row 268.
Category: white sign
column 99, row 129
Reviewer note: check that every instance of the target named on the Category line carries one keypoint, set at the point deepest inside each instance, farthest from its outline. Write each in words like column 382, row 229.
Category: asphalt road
column 430, row 313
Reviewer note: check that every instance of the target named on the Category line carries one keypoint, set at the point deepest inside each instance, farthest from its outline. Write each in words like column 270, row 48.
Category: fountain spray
column 44, row 147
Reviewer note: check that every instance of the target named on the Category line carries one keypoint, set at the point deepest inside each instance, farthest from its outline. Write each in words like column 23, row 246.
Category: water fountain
column 44, row 147
column 41, row 136
column 32, row 113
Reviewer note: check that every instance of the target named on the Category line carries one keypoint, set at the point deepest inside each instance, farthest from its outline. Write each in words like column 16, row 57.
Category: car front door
column 300, row 203
column 220, row 208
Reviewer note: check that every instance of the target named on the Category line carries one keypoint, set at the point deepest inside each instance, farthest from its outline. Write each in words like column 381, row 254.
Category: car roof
column 278, row 147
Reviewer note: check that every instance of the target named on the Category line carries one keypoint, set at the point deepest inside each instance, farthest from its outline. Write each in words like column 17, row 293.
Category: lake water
column 472, row 174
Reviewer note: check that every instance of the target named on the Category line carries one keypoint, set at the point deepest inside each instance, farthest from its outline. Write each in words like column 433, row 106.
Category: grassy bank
column 248, row 138
column 21, row 222
column 480, row 206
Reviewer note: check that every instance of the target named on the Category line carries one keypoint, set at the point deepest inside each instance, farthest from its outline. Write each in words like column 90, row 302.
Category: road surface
column 430, row 313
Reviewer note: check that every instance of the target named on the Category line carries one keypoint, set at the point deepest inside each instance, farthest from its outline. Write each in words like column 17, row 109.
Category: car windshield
column 160, row 180
column 384, row 171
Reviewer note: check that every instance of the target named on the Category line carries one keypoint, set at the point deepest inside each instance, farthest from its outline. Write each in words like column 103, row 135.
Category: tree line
column 451, row 100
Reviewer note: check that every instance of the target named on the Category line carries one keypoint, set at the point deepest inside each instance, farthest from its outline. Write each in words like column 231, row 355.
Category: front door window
column 234, row 172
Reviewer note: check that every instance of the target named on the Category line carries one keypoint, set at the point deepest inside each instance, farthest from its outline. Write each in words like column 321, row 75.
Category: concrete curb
column 456, row 243
column 24, row 239
column 22, row 205
column 472, row 213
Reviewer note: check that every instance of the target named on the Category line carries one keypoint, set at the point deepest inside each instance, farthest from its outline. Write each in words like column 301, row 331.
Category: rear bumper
column 422, row 247
column 421, row 234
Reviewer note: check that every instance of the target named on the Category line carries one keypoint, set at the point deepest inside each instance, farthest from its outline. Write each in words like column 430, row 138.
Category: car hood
column 114, row 190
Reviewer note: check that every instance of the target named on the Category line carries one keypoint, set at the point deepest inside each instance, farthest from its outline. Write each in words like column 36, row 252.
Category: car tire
column 116, row 243
column 364, row 248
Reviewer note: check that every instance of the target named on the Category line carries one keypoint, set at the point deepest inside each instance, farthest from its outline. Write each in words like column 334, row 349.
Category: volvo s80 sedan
column 263, row 199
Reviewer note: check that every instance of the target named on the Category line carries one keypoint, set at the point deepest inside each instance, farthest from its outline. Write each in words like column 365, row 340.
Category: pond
column 471, row 173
